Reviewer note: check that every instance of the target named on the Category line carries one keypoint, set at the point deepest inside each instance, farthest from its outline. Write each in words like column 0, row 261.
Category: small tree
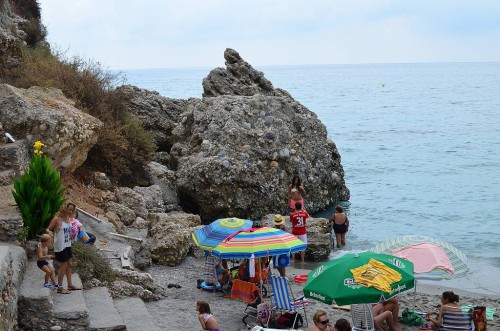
column 38, row 193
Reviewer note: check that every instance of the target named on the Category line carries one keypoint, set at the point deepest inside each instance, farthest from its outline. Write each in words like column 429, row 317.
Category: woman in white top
column 61, row 227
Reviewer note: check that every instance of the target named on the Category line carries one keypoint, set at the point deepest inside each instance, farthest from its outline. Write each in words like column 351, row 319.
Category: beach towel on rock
column 425, row 257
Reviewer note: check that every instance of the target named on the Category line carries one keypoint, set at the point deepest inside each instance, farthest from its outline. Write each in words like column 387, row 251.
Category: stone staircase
column 40, row 308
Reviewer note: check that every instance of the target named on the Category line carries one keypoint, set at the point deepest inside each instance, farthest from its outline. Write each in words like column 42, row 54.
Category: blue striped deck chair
column 456, row 321
column 284, row 299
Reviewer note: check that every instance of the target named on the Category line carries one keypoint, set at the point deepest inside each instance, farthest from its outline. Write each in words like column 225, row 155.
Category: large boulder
column 133, row 200
column 171, row 236
column 47, row 115
column 153, row 198
column 165, row 178
column 319, row 239
column 235, row 151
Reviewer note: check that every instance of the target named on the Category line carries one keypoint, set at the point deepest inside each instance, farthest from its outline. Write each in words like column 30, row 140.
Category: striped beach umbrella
column 214, row 233
column 457, row 259
column 258, row 242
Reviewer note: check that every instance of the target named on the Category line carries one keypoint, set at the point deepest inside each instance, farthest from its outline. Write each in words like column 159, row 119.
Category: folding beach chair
column 456, row 321
column 362, row 318
column 249, row 293
column 284, row 299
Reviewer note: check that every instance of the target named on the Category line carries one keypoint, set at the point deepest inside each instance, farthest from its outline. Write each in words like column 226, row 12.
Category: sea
column 420, row 147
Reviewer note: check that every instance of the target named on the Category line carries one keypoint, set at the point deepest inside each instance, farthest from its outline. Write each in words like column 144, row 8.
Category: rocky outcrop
column 171, row 236
column 46, row 115
column 11, row 37
column 238, row 78
column 165, row 178
column 235, row 151
column 133, row 200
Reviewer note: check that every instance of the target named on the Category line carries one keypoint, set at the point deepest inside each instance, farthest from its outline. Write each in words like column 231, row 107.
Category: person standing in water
column 340, row 225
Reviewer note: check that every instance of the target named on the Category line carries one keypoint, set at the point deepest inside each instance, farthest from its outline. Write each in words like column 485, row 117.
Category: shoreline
column 229, row 312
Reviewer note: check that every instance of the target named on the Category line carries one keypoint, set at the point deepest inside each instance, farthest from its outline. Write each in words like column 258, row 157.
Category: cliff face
column 235, row 151
column 11, row 37
column 20, row 23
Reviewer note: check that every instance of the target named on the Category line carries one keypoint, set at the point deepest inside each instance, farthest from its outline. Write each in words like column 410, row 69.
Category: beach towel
column 376, row 274
column 489, row 311
column 244, row 290
column 425, row 257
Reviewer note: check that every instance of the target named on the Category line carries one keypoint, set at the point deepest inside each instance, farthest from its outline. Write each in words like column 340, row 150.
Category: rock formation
column 46, row 115
column 11, row 37
column 235, row 151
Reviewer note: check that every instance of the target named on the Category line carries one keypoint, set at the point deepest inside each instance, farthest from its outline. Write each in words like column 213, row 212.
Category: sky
column 125, row 34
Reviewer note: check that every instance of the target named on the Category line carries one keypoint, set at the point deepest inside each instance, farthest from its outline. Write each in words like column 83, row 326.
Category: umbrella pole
column 415, row 295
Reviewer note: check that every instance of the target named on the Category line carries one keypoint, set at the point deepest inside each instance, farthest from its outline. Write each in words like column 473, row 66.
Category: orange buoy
column 302, row 278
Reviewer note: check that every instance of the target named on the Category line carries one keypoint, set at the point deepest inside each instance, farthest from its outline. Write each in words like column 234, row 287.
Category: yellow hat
column 279, row 220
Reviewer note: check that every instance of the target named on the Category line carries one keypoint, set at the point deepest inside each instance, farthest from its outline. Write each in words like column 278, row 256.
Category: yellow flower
column 38, row 144
column 36, row 151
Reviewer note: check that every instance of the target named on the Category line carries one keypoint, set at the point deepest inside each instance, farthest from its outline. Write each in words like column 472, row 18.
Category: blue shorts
column 41, row 263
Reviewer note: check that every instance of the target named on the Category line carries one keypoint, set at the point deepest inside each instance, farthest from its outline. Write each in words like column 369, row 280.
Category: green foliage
column 23, row 234
column 92, row 89
column 90, row 263
column 38, row 194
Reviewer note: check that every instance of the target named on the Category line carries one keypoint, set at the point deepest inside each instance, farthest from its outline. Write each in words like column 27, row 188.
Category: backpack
column 286, row 320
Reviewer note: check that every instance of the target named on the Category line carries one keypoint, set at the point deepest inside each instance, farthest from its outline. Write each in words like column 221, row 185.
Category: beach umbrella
column 434, row 259
column 258, row 242
column 214, row 233
column 334, row 280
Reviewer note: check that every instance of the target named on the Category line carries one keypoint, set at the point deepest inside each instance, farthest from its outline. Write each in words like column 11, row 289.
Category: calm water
column 420, row 146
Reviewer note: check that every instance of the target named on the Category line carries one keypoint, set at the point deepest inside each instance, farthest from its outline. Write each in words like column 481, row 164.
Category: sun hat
column 278, row 219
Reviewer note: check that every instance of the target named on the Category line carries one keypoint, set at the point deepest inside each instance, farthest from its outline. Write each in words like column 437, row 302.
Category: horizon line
column 309, row 65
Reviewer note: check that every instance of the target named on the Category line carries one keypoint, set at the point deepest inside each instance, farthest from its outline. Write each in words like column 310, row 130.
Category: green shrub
column 38, row 193
column 90, row 263
column 92, row 89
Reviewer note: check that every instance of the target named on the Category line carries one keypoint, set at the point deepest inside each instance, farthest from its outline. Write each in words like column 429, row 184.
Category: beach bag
column 411, row 318
column 479, row 318
column 286, row 320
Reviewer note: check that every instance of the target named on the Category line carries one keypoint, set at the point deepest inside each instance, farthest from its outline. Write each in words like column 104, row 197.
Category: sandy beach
column 177, row 311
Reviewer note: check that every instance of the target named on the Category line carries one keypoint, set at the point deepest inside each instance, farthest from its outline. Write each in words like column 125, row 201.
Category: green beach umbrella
column 333, row 281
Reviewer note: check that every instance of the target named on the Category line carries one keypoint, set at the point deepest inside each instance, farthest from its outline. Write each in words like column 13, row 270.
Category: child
column 207, row 320
column 43, row 255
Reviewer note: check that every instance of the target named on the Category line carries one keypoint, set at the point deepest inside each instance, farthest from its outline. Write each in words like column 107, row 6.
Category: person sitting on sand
column 207, row 320
column 388, row 311
column 449, row 303
column 342, row 325
column 321, row 322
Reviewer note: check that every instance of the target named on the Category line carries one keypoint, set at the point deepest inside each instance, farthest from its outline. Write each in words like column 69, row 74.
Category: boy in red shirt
column 298, row 220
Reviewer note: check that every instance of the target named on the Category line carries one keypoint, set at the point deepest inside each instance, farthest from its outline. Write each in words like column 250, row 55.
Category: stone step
column 70, row 309
column 35, row 302
column 135, row 315
column 103, row 315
